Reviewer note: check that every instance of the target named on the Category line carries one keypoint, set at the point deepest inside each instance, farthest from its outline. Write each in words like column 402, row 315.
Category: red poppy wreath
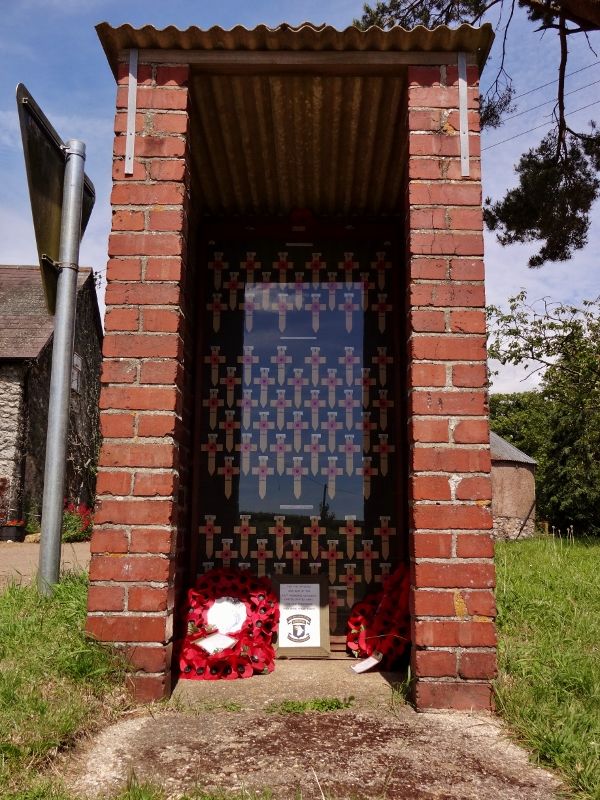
column 232, row 617
column 380, row 622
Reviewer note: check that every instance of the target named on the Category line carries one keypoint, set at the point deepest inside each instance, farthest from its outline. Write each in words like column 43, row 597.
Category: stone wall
column 84, row 432
column 513, row 500
column 11, row 435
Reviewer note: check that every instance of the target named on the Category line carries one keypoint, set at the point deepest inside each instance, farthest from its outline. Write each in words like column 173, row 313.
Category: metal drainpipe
column 62, row 359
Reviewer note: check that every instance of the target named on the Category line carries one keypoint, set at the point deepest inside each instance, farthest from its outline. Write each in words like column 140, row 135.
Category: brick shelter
column 233, row 151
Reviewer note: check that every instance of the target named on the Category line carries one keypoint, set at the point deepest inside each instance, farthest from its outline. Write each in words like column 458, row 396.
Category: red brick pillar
column 131, row 595
column 454, row 656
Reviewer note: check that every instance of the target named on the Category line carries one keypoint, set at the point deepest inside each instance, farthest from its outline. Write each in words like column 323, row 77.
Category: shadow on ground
column 220, row 736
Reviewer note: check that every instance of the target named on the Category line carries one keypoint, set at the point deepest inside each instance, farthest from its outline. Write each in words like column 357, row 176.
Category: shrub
column 77, row 523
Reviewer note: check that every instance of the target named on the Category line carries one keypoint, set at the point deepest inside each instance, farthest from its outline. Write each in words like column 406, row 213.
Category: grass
column 319, row 704
column 549, row 653
column 54, row 682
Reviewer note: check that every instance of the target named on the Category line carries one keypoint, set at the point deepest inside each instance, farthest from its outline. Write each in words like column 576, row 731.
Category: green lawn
column 549, row 625
column 54, row 683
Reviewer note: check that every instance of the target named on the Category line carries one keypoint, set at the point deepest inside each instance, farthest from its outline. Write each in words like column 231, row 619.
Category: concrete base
column 298, row 679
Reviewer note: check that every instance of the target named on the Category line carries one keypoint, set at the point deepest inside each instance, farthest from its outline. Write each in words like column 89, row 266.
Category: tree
column 558, row 179
column 560, row 425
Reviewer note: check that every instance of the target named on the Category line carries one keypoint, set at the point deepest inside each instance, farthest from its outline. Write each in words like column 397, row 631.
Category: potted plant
column 13, row 530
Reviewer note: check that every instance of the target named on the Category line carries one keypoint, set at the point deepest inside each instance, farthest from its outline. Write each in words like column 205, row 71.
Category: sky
column 52, row 47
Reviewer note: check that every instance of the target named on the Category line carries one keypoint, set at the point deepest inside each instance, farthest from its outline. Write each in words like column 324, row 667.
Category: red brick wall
column 139, row 544
column 141, row 514
column 451, row 548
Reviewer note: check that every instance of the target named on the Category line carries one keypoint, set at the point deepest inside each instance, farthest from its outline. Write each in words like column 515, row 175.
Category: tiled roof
column 25, row 324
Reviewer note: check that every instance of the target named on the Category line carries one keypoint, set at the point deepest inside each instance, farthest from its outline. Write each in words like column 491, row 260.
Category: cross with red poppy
column 217, row 266
column 247, row 360
column 297, row 425
column 281, row 360
column 244, row 530
column 367, row 426
column 350, row 579
column 350, row 531
column 280, row 404
column 316, row 266
column 382, row 360
column 263, row 381
column 217, row 308
column 211, row 447
column 283, row 266
column 381, row 266
column 298, row 381
column 228, row 471
column 348, row 307
column 315, row 306
column 214, row 360
column 349, row 265
column 349, row 361
column 384, row 448
column 314, row 404
column 229, row 425
column 331, row 382
column 233, row 285
column 384, row 532
column 381, row 307
column 333, row 285
column 249, row 266
column 335, row 602
column 385, row 571
column 279, row 530
column 332, row 555
column 261, row 554
column 366, row 381
column 383, row 404
column 348, row 449
column 209, row 530
column 296, row 554
column 314, row 530
column 315, row 359
column 213, row 402
column 367, row 555
column 225, row 554
column 366, row 284
column 230, row 381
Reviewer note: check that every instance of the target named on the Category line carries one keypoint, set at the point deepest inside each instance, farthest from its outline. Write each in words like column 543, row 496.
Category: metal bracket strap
column 131, row 111
column 463, row 114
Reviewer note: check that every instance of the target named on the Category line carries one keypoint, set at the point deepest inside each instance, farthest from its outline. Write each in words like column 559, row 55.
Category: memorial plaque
column 304, row 616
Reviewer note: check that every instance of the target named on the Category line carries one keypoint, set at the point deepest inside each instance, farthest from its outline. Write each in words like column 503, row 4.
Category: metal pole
column 62, row 359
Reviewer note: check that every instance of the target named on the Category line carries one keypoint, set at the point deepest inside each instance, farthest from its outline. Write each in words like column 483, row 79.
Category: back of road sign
column 44, row 153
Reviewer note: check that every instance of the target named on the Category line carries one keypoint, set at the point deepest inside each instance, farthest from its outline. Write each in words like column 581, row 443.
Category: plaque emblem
column 299, row 624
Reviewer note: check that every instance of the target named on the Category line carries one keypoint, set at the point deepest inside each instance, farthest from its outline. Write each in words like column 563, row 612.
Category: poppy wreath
column 381, row 621
column 253, row 652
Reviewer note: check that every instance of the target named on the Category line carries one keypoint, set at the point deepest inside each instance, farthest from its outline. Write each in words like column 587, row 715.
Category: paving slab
column 19, row 560
column 218, row 735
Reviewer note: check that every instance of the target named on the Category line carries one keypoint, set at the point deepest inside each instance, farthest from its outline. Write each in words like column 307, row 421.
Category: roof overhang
column 307, row 117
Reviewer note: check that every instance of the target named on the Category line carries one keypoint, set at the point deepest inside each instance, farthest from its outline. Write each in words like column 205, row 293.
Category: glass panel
column 298, row 457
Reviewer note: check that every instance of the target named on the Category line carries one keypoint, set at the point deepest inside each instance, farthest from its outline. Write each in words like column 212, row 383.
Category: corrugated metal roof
column 264, row 145
column 302, row 37
column 25, row 324
column 268, row 143
column 501, row 450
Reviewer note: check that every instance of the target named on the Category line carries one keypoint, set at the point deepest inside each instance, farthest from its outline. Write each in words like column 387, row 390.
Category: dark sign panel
column 44, row 152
